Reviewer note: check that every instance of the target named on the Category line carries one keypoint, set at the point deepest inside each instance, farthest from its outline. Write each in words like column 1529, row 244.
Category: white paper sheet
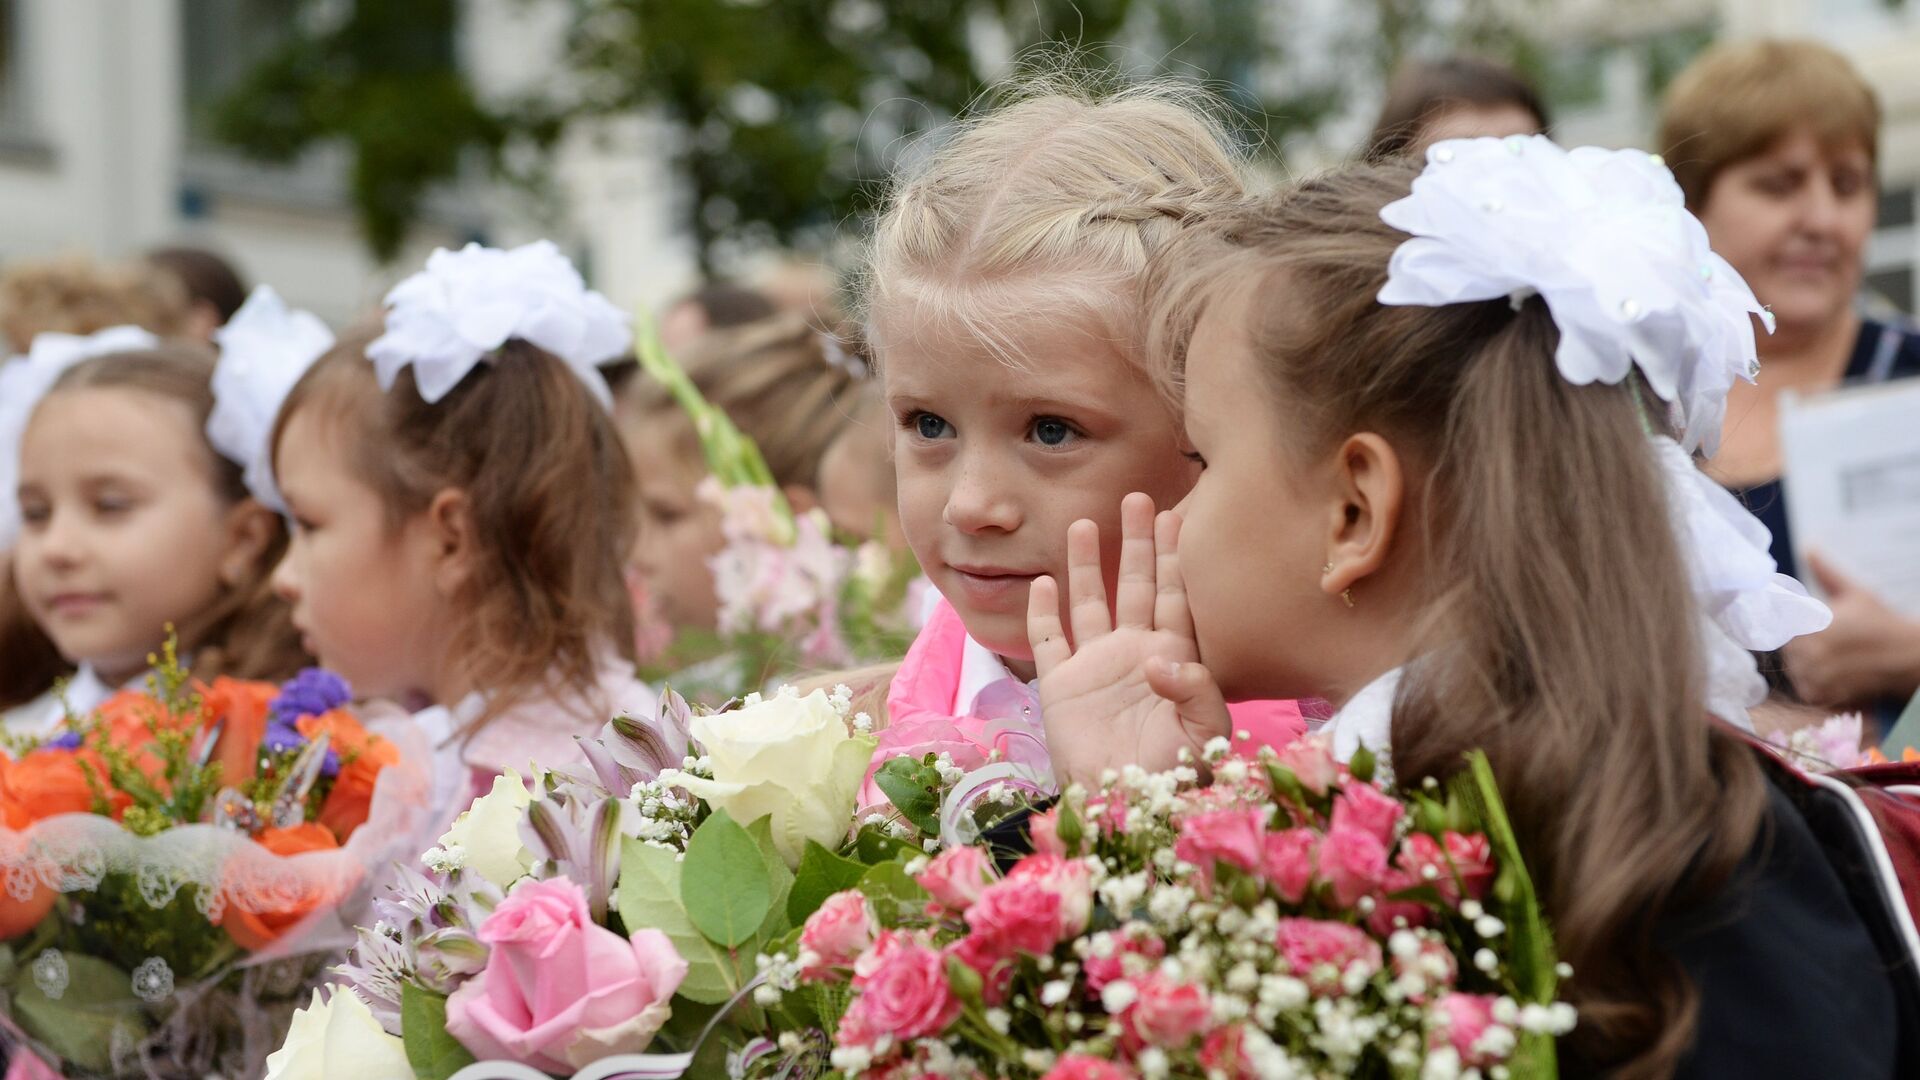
column 1852, row 469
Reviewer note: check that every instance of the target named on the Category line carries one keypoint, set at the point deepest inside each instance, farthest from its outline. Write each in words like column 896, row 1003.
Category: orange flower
column 240, row 707
column 254, row 930
column 49, row 782
column 362, row 756
column 130, row 718
column 19, row 916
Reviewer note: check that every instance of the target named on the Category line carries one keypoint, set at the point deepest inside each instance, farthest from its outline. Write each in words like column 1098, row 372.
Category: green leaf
column 724, row 884
column 434, row 1054
column 80, row 1024
column 780, row 878
column 911, row 786
column 822, row 873
column 874, row 846
column 650, row 880
column 893, row 891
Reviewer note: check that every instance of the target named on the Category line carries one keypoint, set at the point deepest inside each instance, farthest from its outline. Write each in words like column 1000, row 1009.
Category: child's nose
column 981, row 500
column 286, row 583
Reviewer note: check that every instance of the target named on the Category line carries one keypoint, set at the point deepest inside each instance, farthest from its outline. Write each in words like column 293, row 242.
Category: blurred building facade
column 104, row 149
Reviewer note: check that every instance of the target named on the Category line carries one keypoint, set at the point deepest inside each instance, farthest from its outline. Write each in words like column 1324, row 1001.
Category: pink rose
column 1102, row 970
column 1084, row 1067
column 836, row 934
column 1363, row 806
column 1166, row 1012
column 1287, row 861
column 1017, row 914
column 559, row 992
column 1432, row 963
column 1419, row 854
column 1221, row 836
column 1222, row 1055
column 988, row 960
column 1389, row 915
column 1319, row 952
column 1473, row 859
column 1354, row 862
column 1310, row 759
column 1462, row 1020
column 1070, row 880
column 905, row 994
column 957, row 877
column 1044, row 829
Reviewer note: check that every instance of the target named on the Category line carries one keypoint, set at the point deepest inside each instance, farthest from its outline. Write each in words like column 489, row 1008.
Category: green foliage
column 434, row 1054
column 724, row 884
column 821, row 874
column 81, row 1023
column 914, row 788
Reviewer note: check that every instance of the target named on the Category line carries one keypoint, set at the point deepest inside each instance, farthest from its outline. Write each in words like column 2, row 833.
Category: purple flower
column 310, row 693
column 283, row 738
column 66, row 740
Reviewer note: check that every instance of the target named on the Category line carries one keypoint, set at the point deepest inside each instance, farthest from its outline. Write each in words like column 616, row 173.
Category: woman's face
column 1794, row 220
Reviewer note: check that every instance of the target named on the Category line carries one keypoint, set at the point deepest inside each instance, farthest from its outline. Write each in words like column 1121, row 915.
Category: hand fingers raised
column 1134, row 604
column 1086, row 585
column 1044, row 632
column 1170, row 611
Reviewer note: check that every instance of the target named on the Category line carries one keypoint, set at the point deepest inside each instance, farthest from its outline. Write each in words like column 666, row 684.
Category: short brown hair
column 208, row 278
column 75, row 295
column 1736, row 100
column 1423, row 89
column 550, row 489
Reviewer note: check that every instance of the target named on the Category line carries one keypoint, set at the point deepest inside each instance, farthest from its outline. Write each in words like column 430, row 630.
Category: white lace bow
column 451, row 316
column 24, row 380
column 264, row 350
column 1604, row 238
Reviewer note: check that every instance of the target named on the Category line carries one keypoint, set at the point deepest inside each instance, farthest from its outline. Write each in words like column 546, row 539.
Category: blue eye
column 1052, row 431
column 928, row 426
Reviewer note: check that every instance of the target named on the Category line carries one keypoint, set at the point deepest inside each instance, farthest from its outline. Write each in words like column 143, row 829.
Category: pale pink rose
column 1233, row 837
column 1310, row 758
column 990, row 961
column 1084, row 1067
column 836, row 934
column 906, row 993
column 1101, row 970
column 1223, row 1056
column 1354, row 862
column 1388, row 915
column 1363, row 806
column 1433, row 963
column 1044, row 830
column 558, row 991
column 957, row 876
column 1472, row 858
column 1070, row 880
column 1166, row 1012
column 1319, row 952
column 1287, row 861
column 1462, row 1020
column 1419, row 854
column 1017, row 914
column 871, row 961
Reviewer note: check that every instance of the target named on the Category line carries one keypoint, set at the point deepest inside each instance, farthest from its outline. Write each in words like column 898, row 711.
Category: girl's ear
column 450, row 531
column 1370, row 489
column 250, row 530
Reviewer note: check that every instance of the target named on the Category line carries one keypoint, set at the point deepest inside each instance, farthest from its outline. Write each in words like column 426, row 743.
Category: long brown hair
column 248, row 632
column 1559, row 637
column 551, row 493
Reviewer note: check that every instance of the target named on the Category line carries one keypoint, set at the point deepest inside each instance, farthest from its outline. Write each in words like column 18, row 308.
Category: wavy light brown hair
column 75, row 295
column 548, row 484
column 248, row 633
column 1559, row 632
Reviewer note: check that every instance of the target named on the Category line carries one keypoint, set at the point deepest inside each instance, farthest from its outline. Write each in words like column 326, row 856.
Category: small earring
column 1345, row 594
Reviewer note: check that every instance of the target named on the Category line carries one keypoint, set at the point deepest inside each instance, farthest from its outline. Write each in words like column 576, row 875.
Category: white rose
column 489, row 832
column 338, row 1037
column 788, row 758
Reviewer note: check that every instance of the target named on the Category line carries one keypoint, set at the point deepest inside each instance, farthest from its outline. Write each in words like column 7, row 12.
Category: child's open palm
column 1132, row 693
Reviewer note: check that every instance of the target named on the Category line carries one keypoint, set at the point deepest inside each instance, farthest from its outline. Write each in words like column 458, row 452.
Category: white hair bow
column 1605, row 239
column 25, row 379
column 451, row 316
column 264, row 350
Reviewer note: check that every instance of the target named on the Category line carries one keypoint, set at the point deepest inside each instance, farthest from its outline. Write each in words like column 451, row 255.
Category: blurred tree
column 785, row 116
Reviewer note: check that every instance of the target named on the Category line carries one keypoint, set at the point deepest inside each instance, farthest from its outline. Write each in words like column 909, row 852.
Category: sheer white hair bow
column 451, row 316
column 264, row 350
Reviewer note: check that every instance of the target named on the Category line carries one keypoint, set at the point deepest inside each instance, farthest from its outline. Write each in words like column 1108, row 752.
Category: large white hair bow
column 451, row 316
column 1605, row 239
column 264, row 350
column 25, row 379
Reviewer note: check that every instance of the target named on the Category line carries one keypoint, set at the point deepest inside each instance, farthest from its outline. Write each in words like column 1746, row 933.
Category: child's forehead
column 1026, row 350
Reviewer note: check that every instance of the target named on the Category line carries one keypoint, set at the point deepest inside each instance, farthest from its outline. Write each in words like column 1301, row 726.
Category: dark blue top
column 1880, row 353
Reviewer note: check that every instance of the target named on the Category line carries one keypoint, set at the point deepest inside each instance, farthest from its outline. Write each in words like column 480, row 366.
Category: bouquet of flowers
column 179, row 852
column 792, row 593
column 1293, row 918
column 742, row 917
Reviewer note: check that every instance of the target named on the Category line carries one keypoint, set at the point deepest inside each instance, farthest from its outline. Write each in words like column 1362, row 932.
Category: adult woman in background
column 1775, row 145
